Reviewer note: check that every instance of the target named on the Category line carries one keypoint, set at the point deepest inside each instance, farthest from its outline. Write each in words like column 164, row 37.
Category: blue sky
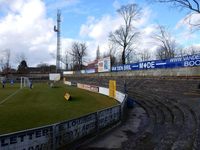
column 76, row 14
column 26, row 26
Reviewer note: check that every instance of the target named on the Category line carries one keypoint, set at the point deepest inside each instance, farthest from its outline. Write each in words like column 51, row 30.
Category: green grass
column 43, row 105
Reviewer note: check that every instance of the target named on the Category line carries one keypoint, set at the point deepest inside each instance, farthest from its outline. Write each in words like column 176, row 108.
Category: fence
column 60, row 134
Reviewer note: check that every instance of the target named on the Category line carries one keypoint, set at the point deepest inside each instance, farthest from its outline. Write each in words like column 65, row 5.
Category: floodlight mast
column 58, row 31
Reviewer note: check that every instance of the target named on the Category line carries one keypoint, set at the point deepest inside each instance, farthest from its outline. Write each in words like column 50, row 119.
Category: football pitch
column 26, row 108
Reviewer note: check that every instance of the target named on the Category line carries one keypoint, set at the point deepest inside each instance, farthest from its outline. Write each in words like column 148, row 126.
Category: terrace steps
column 172, row 121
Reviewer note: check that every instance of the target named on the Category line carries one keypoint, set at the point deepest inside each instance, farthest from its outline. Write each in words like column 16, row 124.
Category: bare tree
column 20, row 57
column 167, row 46
column 65, row 59
column 5, row 61
column 126, row 34
column 144, row 55
column 193, row 7
column 78, row 53
column 23, row 67
column 192, row 50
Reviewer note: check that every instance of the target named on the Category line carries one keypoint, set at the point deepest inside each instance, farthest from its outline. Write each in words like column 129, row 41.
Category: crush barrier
column 61, row 134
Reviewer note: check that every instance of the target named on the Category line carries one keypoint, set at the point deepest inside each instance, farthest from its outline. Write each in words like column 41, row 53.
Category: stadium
column 141, row 91
column 166, row 96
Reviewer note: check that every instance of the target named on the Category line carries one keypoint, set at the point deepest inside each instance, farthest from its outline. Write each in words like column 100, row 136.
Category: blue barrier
column 185, row 61
column 130, row 103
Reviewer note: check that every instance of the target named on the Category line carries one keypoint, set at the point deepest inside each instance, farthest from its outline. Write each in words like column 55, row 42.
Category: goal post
column 25, row 82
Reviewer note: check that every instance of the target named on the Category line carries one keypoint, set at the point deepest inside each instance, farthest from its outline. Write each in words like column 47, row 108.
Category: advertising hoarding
column 92, row 88
column 54, row 76
column 67, row 72
column 104, row 64
column 185, row 61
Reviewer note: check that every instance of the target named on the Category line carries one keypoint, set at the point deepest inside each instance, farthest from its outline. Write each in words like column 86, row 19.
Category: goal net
column 25, row 82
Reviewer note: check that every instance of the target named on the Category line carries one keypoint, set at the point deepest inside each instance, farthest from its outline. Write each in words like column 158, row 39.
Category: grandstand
column 171, row 106
column 169, row 96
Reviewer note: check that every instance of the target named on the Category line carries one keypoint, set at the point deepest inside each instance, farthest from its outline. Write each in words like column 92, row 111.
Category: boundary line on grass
column 4, row 100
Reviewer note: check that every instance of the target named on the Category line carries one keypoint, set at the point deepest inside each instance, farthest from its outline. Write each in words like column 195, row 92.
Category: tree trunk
column 123, row 57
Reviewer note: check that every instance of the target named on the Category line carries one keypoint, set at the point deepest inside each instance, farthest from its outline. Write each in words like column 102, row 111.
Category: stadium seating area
column 171, row 104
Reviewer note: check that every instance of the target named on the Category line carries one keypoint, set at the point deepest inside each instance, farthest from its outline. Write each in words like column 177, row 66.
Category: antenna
column 57, row 29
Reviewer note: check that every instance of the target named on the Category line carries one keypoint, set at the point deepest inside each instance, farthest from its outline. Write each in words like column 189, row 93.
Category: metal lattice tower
column 57, row 29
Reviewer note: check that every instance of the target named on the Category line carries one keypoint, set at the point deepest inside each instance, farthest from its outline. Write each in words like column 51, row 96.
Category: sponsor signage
column 94, row 88
column 67, row 72
column 120, row 96
column 32, row 139
column 67, row 82
column 88, row 71
column 104, row 65
column 75, row 129
column 88, row 87
column 108, row 116
column 104, row 91
column 54, row 76
column 186, row 61
column 58, row 135
column 79, row 85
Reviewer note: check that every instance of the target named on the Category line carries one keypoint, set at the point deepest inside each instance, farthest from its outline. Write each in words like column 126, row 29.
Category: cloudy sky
column 26, row 26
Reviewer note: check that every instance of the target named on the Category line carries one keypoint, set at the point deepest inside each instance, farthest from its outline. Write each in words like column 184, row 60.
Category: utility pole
column 57, row 30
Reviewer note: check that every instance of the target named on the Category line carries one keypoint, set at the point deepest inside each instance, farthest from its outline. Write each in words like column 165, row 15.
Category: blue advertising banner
column 186, row 61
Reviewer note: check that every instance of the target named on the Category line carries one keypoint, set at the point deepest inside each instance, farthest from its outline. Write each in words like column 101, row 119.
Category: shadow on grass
column 56, row 87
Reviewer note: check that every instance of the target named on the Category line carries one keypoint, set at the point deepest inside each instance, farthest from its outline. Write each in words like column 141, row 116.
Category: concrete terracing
column 166, row 114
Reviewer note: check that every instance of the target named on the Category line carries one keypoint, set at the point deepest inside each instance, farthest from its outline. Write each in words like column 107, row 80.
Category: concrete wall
column 60, row 134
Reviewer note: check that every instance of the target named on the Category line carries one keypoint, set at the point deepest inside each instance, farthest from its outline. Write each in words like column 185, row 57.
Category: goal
column 25, row 82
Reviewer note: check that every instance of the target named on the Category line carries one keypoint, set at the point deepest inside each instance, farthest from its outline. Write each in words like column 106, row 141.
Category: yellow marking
column 67, row 96
column 112, row 88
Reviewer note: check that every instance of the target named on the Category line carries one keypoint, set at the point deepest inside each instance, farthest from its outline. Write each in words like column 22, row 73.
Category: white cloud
column 189, row 21
column 23, row 31
column 186, row 27
column 97, row 30
column 116, row 4
column 144, row 18
column 146, row 41
column 55, row 4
